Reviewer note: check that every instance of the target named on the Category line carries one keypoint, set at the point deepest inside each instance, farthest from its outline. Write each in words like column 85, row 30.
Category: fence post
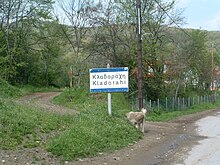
column 178, row 102
column 158, row 104
column 133, row 102
column 166, row 104
column 188, row 102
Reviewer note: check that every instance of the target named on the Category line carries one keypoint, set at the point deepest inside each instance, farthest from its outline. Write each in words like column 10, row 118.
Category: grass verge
column 77, row 136
column 162, row 116
column 93, row 130
column 9, row 91
column 17, row 122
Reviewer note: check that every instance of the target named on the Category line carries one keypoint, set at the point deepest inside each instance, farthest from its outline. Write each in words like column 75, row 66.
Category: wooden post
column 140, row 76
column 70, row 73
column 213, row 97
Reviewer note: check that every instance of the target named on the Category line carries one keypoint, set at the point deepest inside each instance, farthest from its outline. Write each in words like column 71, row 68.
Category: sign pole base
column 109, row 104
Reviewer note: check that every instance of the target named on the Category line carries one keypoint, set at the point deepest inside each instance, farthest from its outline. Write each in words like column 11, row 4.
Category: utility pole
column 213, row 97
column 140, row 75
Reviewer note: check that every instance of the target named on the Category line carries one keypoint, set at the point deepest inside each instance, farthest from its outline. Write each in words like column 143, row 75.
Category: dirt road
column 163, row 143
column 207, row 152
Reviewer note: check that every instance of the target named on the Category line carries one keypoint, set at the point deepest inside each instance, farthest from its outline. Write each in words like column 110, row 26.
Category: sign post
column 109, row 100
column 109, row 80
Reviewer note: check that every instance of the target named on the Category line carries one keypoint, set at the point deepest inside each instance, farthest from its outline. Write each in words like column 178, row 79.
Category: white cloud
column 214, row 23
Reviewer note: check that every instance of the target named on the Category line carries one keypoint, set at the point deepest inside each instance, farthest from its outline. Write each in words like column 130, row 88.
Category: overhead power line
column 172, row 19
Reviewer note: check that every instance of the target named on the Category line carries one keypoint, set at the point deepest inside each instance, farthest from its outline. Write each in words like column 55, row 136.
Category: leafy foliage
column 36, row 49
column 8, row 91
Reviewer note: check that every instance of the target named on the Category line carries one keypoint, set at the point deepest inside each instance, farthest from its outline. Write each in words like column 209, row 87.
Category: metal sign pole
column 109, row 80
column 109, row 100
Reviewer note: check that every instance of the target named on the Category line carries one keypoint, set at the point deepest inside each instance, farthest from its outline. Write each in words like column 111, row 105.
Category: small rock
column 130, row 144
column 116, row 158
column 3, row 161
column 79, row 160
column 66, row 162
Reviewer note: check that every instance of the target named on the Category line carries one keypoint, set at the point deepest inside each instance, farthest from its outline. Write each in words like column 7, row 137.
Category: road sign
column 109, row 80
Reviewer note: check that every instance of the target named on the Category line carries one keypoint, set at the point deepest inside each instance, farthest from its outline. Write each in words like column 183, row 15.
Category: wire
column 172, row 19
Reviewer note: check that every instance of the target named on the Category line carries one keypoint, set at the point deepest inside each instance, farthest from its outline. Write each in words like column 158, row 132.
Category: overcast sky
column 201, row 14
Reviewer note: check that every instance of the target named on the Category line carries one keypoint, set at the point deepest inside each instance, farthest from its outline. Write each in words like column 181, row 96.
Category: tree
column 50, row 54
column 18, row 20
column 199, row 60
column 157, row 18
column 76, row 35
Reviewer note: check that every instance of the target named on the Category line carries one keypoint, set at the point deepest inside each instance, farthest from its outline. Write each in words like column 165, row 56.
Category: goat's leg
column 142, row 126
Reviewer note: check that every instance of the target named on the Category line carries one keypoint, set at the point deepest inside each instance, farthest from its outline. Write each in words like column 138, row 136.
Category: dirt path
column 44, row 101
column 163, row 143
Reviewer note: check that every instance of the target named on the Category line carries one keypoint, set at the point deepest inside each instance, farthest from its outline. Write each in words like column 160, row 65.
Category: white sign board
column 109, row 80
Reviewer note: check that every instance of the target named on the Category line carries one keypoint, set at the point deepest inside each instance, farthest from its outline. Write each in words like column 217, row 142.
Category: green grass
column 81, row 99
column 163, row 116
column 9, row 91
column 93, row 130
column 16, row 122
column 76, row 136
column 32, row 89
